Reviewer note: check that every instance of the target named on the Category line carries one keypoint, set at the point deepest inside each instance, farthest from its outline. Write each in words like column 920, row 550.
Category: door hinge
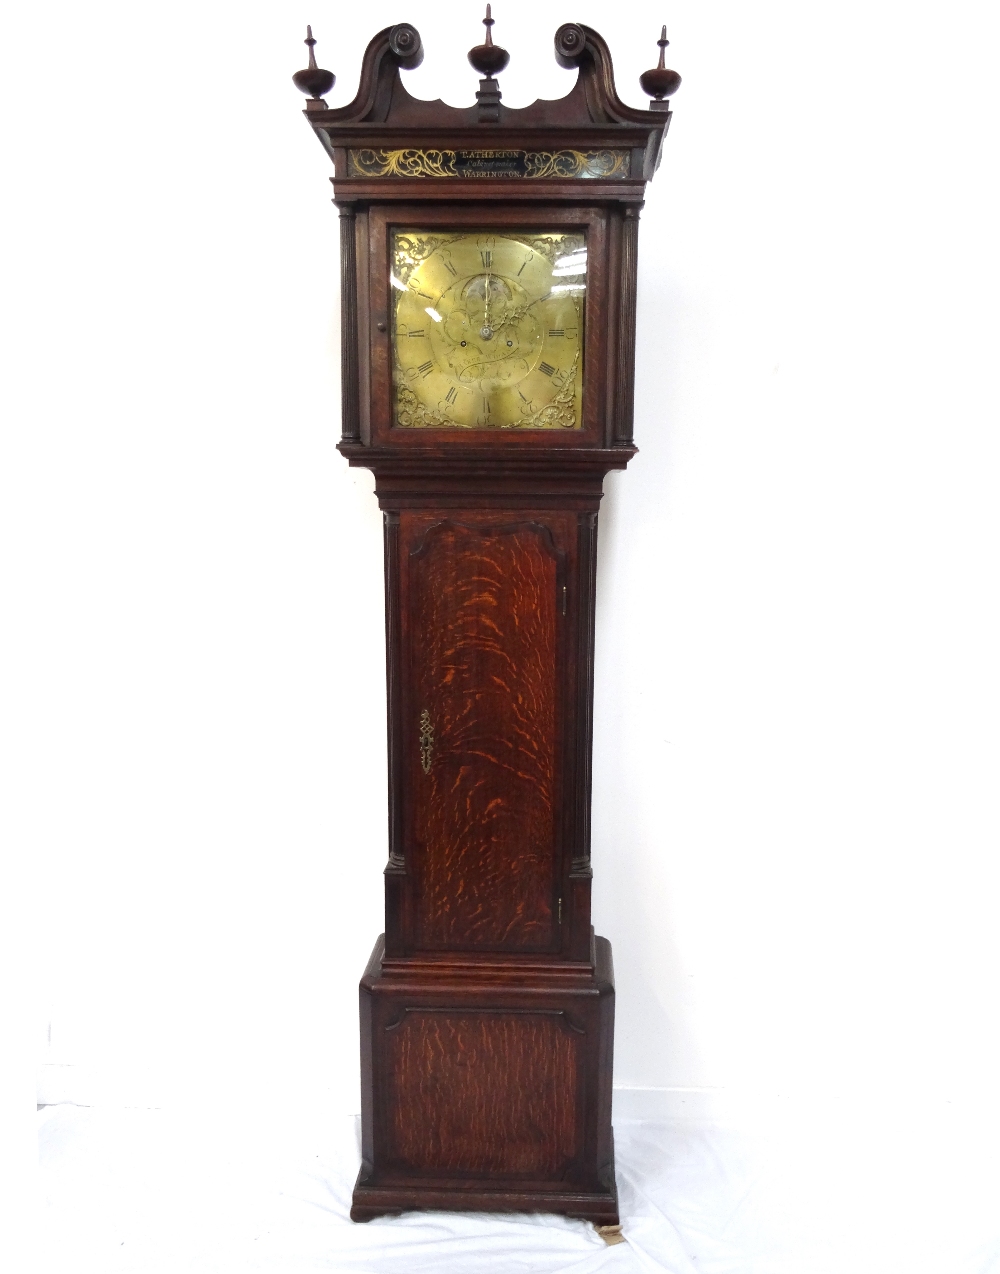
column 564, row 599
column 559, row 913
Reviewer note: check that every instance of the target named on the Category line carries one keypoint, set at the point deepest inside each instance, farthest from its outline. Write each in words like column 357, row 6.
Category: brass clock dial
column 487, row 329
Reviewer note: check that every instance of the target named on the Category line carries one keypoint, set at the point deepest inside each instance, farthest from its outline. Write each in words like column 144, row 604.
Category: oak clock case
column 488, row 276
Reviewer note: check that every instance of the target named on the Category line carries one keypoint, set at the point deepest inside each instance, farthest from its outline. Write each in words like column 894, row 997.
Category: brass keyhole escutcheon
column 426, row 741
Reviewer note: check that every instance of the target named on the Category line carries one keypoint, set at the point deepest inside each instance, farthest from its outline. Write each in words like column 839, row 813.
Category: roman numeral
column 451, row 395
column 448, row 266
column 545, row 369
column 425, row 369
column 522, row 397
column 557, row 331
column 487, row 257
column 421, row 332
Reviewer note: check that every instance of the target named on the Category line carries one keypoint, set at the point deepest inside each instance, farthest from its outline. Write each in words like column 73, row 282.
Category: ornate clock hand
column 515, row 315
column 486, row 331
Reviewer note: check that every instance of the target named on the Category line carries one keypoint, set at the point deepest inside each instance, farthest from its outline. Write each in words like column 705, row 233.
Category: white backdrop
column 795, row 815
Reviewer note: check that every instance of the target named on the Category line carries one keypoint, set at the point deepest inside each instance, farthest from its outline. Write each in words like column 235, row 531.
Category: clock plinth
column 488, row 292
column 487, row 1087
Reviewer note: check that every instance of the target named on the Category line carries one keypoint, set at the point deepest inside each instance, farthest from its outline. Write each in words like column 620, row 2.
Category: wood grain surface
column 483, row 617
column 483, row 1092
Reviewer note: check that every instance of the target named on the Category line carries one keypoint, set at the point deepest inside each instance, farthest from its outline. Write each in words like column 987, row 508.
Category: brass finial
column 489, row 59
column 660, row 82
column 313, row 81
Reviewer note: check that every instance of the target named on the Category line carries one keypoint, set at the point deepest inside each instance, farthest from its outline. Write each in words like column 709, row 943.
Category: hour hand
column 513, row 316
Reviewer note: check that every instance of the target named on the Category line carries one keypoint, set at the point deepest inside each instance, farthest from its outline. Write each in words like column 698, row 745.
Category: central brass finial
column 489, row 59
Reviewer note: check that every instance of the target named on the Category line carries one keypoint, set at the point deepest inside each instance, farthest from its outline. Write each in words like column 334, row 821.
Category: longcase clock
column 488, row 297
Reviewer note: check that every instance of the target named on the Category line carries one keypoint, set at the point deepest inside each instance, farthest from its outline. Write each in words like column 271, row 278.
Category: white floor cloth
column 150, row 1192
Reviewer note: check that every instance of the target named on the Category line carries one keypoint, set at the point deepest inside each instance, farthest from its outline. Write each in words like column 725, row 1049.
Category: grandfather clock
column 488, row 284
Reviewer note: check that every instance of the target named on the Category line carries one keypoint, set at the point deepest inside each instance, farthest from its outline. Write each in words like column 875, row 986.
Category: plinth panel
column 483, row 1092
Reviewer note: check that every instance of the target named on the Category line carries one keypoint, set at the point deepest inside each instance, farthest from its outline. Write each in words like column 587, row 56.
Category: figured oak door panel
column 483, row 651
column 483, row 1092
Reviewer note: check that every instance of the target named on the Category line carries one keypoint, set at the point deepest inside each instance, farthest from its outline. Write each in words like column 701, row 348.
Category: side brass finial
column 660, row 82
column 313, row 81
column 489, row 59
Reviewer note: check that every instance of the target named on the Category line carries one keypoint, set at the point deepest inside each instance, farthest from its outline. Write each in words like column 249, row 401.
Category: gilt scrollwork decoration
column 576, row 163
column 402, row 163
column 489, row 163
